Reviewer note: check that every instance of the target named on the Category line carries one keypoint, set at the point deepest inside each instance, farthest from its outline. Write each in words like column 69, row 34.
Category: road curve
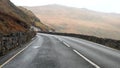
column 52, row 51
column 103, row 56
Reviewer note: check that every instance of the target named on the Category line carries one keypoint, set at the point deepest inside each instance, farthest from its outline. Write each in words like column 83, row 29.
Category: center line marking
column 95, row 65
column 66, row 44
column 86, row 59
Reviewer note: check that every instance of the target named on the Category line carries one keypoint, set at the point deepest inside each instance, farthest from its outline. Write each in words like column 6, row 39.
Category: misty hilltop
column 79, row 20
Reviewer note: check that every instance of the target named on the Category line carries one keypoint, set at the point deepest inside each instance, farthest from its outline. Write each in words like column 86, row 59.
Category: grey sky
column 97, row 5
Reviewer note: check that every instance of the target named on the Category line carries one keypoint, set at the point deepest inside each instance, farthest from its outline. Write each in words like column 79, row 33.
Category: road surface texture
column 52, row 51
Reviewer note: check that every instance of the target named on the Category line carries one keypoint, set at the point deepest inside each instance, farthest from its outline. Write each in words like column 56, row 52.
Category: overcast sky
column 97, row 5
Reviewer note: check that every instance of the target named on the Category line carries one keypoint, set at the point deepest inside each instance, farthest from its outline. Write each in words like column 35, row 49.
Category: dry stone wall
column 13, row 40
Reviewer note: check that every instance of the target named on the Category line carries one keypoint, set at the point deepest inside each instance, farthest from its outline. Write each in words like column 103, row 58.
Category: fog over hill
column 79, row 21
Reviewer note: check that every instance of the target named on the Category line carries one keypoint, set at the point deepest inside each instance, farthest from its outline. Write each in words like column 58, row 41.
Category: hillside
column 17, row 26
column 36, row 21
column 13, row 19
column 79, row 21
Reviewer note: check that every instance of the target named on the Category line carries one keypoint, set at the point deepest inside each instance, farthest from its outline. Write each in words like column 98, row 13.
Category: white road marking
column 14, row 56
column 36, row 47
column 95, row 65
column 86, row 59
column 63, row 42
column 58, row 38
column 66, row 44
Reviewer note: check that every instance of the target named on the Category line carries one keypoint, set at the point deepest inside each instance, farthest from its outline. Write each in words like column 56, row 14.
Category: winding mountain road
column 53, row 51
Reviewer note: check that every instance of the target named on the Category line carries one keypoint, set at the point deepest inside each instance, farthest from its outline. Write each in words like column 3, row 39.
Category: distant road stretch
column 53, row 51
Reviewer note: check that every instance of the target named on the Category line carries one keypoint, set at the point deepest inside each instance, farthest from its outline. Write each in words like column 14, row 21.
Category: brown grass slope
column 36, row 21
column 79, row 21
column 12, row 19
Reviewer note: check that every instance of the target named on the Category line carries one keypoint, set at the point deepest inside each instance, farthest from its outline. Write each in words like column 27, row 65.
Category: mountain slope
column 17, row 26
column 79, row 21
column 12, row 19
column 35, row 20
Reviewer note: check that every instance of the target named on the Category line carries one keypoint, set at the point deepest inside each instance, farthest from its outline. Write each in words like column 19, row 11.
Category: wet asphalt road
column 49, row 51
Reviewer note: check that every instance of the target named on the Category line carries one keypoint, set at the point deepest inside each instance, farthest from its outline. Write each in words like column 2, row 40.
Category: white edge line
column 86, row 59
column 14, row 56
column 66, row 44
